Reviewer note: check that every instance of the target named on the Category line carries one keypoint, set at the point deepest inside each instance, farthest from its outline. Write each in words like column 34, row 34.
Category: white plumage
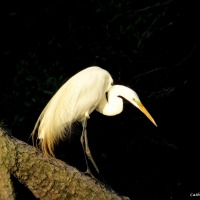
column 76, row 100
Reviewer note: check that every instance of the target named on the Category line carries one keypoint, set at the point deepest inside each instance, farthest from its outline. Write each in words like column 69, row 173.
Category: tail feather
column 55, row 121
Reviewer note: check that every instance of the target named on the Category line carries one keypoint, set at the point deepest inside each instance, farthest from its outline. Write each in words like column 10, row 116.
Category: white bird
column 88, row 90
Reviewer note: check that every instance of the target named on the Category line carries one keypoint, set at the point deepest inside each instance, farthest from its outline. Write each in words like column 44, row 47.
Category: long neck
column 114, row 104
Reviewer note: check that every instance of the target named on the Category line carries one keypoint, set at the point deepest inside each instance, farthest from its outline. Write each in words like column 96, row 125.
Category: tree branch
column 46, row 178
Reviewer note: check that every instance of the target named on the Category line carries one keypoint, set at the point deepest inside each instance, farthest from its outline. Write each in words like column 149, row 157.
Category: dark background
column 150, row 46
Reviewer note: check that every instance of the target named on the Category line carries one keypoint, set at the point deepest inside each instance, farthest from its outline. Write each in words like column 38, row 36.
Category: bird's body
column 84, row 92
column 69, row 105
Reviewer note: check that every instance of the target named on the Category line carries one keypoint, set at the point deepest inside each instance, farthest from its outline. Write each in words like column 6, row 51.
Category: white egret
column 88, row 90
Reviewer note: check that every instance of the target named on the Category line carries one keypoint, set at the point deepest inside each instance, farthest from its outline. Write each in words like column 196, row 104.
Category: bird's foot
column 88, row 172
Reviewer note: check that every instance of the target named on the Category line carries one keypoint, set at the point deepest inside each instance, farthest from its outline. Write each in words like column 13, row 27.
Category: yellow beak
column 143, row 109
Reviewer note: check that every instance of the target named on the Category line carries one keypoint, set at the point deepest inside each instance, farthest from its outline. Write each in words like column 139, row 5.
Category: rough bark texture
column 46, row 178
column 6, row 187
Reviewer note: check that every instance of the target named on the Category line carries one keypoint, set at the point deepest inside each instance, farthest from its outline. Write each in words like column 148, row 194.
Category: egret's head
column 133, row 98
column 137, row 103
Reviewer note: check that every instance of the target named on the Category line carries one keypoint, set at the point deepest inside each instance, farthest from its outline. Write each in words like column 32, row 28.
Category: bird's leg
column 83, row 145
column 88, row 153
column 84, row 141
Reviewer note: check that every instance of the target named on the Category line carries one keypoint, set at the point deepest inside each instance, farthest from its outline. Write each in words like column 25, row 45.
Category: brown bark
column 6, row 187
column 46, row 178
